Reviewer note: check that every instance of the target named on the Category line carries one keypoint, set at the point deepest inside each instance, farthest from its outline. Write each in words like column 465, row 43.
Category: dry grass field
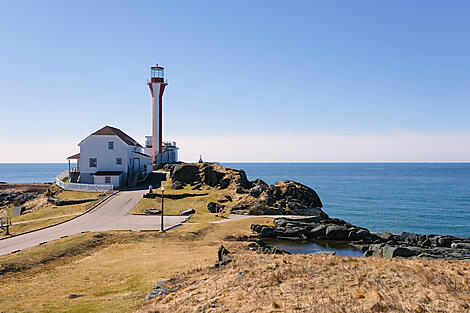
column 113, row 271
column 308, row 283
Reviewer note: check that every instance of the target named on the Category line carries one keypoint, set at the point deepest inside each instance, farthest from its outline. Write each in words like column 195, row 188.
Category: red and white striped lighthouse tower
column 157, row 86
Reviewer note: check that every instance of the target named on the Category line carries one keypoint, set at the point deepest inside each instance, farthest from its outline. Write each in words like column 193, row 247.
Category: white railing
column 83, row 187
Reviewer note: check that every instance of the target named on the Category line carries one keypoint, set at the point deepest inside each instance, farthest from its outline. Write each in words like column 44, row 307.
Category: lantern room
column 157, row 74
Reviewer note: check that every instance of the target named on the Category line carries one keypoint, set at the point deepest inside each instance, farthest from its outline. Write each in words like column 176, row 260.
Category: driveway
column 109, row 215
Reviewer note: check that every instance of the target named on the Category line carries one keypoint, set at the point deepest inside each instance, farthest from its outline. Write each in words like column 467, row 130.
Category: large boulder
column 286, row 197
column 185, row 173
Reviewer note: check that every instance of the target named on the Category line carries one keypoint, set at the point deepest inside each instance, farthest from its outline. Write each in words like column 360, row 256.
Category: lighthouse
column 162, row 152
column 157, row 86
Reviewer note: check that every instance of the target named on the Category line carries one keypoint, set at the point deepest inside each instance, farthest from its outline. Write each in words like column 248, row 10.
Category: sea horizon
column 394, row 197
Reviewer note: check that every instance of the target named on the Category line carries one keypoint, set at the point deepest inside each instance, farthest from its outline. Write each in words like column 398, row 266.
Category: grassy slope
column 45, row 213
column 113, row 273
column 307, row 283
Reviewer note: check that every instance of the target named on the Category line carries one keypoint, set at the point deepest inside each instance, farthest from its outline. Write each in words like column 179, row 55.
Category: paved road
column 110, row 215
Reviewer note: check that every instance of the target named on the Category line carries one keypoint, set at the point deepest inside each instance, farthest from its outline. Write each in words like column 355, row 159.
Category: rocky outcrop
column 381, row 245
column 210, row 174
column 286, row 197
column 17, row 197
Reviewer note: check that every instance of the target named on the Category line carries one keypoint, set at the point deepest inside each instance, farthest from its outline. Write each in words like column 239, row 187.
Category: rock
column 317, row 232
column 17, row 211
column 286, row 197
column 392, row 252
column 152, row 211
column 185, row 173
column 335, row 232
column 223, row 257
column 460, row 245
column 229, row 198
column 324, row 253
column 188, row 212
column 386, row 236
column 215, row 207
column 256, row 191
column 177, row 185
column 74, row 296
column 242, row 273
column 160, row 289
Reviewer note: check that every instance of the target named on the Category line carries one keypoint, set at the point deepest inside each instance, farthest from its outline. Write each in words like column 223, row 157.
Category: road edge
column 59, row 223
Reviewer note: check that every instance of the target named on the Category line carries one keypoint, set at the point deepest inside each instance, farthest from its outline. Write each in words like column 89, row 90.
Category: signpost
column 162, row 228
column 5, row 226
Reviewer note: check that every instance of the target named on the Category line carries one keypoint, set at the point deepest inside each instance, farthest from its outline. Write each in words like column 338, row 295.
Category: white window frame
column 107, row 179
column 110, row 145
column 120, row 161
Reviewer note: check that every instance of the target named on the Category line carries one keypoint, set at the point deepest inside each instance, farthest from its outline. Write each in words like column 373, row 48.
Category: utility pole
column 162, row 228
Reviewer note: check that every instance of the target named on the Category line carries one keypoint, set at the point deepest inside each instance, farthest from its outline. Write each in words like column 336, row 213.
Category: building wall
column 115, row 180
column 97, row 147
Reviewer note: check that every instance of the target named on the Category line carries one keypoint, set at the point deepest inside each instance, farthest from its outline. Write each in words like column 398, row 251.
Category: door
column 136, row 165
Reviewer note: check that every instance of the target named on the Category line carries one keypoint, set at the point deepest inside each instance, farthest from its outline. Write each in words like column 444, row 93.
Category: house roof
column 74, row 157
column 107, row 173
column 142, row 154
column 108, row 130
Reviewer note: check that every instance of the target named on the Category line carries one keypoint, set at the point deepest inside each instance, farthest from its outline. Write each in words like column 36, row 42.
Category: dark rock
column 177, row 185
column 215, row 207
column 317, row 232
column 74, row 296
column 223, row 257
column 160, row 289
column 228, row 197
column 391, row 252
column 188, row 212
column 256, row 191
column 224, row 183
column 185, row 173
column 335, row 232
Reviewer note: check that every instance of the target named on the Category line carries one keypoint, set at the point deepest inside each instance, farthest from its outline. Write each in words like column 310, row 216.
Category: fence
column 83, row 187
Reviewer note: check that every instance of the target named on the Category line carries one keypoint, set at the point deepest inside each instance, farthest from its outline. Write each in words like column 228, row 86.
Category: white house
column 110, row 157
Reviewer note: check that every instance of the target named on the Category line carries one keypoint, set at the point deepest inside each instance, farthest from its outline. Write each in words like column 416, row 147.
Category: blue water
column 14, row 173
column 422, row 198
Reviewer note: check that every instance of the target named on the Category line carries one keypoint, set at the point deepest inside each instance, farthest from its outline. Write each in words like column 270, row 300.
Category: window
column 110, row 145
column 93, row 162
column 107, row 180
column 118, row 161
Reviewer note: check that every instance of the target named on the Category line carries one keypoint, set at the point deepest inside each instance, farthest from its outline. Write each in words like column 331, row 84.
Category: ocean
column 425, row 198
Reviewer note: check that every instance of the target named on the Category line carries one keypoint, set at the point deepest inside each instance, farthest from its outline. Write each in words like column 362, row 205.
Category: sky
column 249, row 81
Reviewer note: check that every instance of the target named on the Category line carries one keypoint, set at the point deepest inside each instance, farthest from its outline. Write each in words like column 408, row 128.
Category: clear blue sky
column 327, row 81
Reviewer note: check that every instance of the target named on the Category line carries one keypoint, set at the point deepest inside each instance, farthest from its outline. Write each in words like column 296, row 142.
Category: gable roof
column 108, row 130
